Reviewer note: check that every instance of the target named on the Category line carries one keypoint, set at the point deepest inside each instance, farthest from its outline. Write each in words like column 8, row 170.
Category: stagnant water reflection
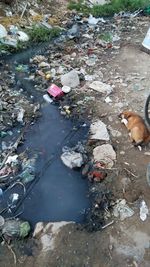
column 60, row 193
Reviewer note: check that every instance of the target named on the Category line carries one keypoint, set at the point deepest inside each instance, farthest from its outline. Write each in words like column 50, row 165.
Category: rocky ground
column 110, row 53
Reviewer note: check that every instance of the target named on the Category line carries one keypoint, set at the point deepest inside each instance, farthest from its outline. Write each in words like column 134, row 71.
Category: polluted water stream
column 58, row 192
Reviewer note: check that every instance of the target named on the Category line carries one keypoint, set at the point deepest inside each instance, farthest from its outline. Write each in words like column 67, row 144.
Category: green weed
column 109, row 9
column 40, row 34
column 107, row 37
column 79, row 6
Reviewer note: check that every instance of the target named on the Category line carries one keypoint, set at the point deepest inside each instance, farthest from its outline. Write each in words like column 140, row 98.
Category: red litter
column 55, row 91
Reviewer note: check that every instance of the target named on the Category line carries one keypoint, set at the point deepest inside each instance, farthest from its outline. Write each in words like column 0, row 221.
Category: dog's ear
column 127, row 114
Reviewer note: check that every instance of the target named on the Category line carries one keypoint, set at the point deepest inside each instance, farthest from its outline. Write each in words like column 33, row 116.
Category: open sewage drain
column 58, row 192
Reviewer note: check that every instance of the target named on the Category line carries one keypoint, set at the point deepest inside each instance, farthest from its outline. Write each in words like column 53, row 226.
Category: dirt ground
column 125, row 243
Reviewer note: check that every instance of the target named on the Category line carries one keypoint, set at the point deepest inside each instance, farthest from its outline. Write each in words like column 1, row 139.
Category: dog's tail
column 147, row 139
column 143, row 142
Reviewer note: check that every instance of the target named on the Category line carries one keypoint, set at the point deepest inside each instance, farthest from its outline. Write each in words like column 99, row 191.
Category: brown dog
column 136, row 126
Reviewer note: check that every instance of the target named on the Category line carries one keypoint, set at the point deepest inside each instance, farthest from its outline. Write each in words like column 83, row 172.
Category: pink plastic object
column 55, row 91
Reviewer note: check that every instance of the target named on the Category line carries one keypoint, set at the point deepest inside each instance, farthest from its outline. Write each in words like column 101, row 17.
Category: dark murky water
column 60, row 193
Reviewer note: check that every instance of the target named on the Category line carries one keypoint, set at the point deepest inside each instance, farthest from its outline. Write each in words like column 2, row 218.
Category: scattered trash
column 47, row 98
column 13, row 199
column 10, row 41
column 108, row 224
column 86, row 58
column 70, row 79
column 22, row 68
column 101, row 87
column 74, row 32
column 124, row 14
column 72, row 159
column 20, row 115
column 143, row 211
column 146, row 42
column 5, row 171
column 66, row 110
column 98, row 2
column 91, row 61
column 15, row 229
column 13, row 36
column 1, row 193
column 43, row 65
column 12, row 159
column 55, row 91
column 3, row 32
column 99, row 131
column 122, row 210
column 148, row 174
column 105, row 154
column 98, row 216
column 97, row 176
column 28, row 174
column 22, row 36
column 92, row 20
column 2, row 221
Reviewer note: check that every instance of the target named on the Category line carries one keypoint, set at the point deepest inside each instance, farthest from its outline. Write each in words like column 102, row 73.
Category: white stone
column 106, row 154
column 20, row 115
column 66, row 89
column 101, row 87
column 108, row 100
column 115, row 133
column 99, row 131
column 47, row 234
column 70, row 79
column 38, row 229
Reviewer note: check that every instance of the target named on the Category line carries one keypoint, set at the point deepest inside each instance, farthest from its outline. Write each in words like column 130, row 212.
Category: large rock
column 101, row 87
column 99, row 131
column 106, row 154
column 70, row 79
column 47, row 233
